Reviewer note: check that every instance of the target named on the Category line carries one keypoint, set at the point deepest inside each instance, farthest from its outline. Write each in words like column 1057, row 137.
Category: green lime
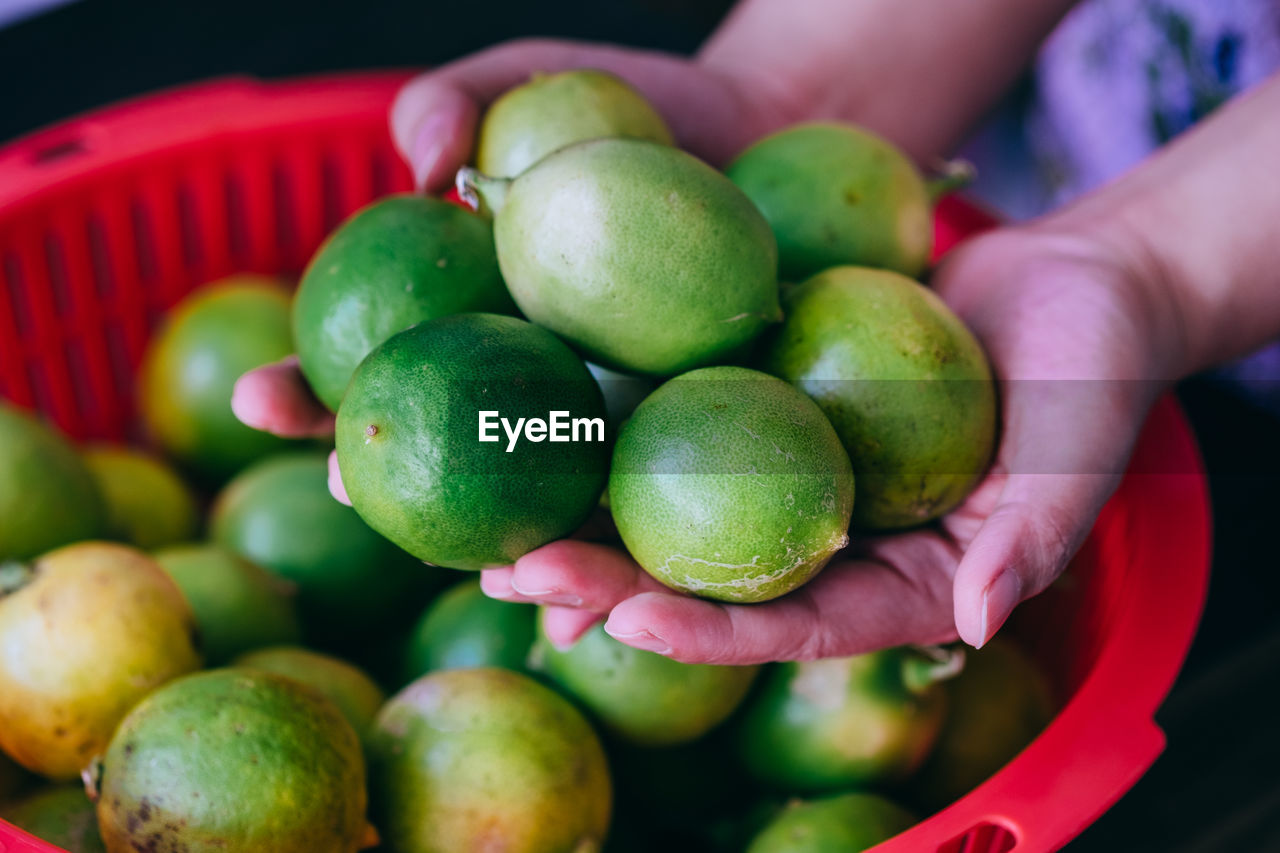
column 234, row 760
column 148, row 505
column 212, row 337
column 399, row 261
column 997, row 706
column 48, row 496
column 238, row 606
column 730, row 484
column 464, row 628
column 350, row 688
column 847, row 823
column 487, row 759
column 836, row 194
column 413, row 454
column 838, row 723
column 86, row 631
column 280, row 515
column 642, row 257
column 554, row 110
column 905, row 384
column 640, row 696
column 62, row 816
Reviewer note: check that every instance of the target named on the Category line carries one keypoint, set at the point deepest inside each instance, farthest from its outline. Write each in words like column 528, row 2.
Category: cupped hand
column 1078, row 335
column 713, row 112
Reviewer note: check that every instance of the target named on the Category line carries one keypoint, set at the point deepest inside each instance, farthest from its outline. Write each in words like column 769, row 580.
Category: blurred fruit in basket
column 349, row 687
column 838, row 723
column 88, row 629
column 234, row 760
column 408, row 448
column 995, row 708
column 397, row 262
column 191, row 366
column 642, row 257
column 148, row 505
column 12, row 778
column 904, row 382
column 238, row 605
column 836, row 194
column 487, row 759
column 280, row 515
column 730, row 484
column 847, row 823
column 48, row 496
column 63, row 816
column 640, row 696
column 464, row 628
column 552, row 111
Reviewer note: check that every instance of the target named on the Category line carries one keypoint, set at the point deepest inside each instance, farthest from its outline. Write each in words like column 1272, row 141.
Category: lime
column 730, row 484
column 48, row 496
column 464, row 628
column 842, row 722
column 640, row 696
column 642, row 257
column 414, row 459
column 280, row 515
column 846, row 823
column 905, row 384
column 62, row 816
column 487, row 759
column 238, row 606
column 554, row 110
column 210, row 339
column 837, row 194
column 85, row 632
column 234, row 760
column 997, row 706
column 399, row 261
column 148, row 505
column 350, row 688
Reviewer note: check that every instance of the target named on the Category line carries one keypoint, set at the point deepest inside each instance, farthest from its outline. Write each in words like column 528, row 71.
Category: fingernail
column 496, row 587
column 549, row 596
column 428, row 144
column 336, row 488
column 1002, row 595
column 646, row 640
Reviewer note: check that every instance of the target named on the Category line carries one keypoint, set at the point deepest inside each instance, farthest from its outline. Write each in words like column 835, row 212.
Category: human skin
column 1134, row 286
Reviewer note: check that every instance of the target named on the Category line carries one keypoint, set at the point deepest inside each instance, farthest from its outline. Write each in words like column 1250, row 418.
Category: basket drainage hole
column 58, row 151
column 986, row 837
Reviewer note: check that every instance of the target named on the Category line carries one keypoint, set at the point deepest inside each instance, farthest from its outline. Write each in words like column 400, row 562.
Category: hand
column 1075, row 328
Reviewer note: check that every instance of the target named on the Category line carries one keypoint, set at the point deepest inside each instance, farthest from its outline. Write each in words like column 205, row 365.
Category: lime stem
column 930, row 665
column 481, row 192
column 91, row 775
column 952, row 175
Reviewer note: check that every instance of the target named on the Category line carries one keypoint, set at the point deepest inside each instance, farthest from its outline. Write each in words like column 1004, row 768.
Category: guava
column 85, row 632
column 642, row 257
column 487, row 759
column 905, row 384
column 730, row 484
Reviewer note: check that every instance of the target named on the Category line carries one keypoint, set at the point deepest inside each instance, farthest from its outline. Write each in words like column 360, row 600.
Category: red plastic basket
column 107, row 220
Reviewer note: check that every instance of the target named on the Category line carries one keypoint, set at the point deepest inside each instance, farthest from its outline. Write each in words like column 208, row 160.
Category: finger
column 336, row 488
column 433, row 123
column 275, row 398
column 564, row 626
column 581, row 575
column 850, row 608
column 496, row 583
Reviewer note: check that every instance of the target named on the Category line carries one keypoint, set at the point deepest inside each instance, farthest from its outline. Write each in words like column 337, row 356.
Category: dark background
column 1216, row 787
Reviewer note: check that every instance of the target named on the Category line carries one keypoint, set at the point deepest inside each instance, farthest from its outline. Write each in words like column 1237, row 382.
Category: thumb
column 433, row 124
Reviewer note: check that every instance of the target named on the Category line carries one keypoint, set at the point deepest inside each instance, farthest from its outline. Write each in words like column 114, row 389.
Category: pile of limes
column 208, row 652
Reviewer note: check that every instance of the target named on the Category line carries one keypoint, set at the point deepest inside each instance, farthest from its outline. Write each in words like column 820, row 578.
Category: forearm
column 1201, row 221
column 918, row 71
